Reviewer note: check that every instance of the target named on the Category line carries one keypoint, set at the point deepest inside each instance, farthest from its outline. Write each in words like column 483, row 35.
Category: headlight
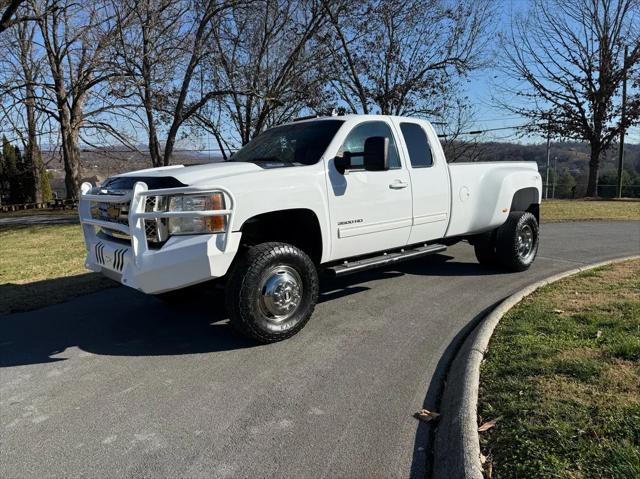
column 199, row 224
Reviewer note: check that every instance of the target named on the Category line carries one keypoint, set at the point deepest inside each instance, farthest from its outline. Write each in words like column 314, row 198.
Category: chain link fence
column 563, row 191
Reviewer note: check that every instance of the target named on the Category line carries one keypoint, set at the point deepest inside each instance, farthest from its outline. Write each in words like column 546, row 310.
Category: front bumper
column 180, row 262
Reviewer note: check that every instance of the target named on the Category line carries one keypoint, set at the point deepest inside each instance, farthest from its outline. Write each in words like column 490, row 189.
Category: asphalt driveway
column 117, row 384
column 44, row 219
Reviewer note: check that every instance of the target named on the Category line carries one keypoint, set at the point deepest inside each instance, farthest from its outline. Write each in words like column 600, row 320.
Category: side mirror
column 376, row 153
column 342, row 163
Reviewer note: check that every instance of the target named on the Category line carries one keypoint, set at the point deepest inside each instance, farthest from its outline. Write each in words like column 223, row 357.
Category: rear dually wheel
column 517, row 241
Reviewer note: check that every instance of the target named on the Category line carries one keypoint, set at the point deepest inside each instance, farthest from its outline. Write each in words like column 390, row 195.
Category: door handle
column 398, row 185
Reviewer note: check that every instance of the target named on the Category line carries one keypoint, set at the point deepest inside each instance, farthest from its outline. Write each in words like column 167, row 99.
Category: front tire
column 271, row 292
column 517, row 241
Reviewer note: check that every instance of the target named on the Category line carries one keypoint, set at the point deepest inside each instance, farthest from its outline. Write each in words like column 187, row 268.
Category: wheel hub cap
column 281, row 293
column 525, row 242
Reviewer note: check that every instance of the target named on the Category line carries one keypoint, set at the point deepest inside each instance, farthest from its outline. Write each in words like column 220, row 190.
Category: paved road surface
column 44, row 219
column 115, row 384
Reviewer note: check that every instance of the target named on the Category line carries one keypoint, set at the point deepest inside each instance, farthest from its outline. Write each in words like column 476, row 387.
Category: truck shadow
column 123, row 322
column 437, row 265
column 118, row 322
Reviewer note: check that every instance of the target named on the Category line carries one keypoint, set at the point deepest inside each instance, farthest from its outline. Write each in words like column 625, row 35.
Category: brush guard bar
column 137, row 214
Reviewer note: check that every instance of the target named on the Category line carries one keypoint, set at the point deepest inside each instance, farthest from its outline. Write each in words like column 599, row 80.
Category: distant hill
column 99, row 164
column 572, row 157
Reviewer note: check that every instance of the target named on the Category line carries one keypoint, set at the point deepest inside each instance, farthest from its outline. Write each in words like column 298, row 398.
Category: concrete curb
column 457, row 443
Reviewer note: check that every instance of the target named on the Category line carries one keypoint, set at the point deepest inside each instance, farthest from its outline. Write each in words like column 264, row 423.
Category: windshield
column 289, row 145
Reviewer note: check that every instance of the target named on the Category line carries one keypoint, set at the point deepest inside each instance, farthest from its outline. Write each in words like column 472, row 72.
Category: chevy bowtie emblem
column 113, row 212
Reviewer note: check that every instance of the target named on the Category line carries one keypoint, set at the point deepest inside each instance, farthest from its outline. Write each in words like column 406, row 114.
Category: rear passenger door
column 429, row 182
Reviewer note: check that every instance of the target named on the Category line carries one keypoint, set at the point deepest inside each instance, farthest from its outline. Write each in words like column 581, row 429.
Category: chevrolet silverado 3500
column 335, row 195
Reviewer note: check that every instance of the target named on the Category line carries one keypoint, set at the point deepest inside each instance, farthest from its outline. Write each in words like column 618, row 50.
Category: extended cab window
column 417, row 144
column 295, row 144
column 356, row 138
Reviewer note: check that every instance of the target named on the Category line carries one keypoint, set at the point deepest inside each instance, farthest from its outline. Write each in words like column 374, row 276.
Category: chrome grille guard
column 137, row 214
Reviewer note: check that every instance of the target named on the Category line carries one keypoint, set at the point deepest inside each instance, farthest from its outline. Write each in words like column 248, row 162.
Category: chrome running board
column 355, row 266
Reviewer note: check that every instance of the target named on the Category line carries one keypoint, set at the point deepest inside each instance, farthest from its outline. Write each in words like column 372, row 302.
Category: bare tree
column 148, row 48
column 268, row 56
column 75, row 37
column 8, row 13
column 402, row 58
column 453, row 123
column 29, row 69
column 20, row 79
column 13, row 12
column 54, row 64
column 163, row 51
column 567, row 57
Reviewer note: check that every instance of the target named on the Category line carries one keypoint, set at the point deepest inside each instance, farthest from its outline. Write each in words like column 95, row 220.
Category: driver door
column 370, row 210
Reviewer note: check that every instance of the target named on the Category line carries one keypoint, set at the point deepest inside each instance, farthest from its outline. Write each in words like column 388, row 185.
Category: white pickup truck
column 338, row 195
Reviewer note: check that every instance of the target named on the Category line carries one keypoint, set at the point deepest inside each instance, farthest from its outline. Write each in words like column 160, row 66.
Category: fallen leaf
column 489, row 470
column 489, row 424
column 558, row 311
column 426, row 415
column 598, row 334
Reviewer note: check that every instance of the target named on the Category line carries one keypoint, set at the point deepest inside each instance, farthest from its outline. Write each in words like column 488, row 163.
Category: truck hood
column 198, row 174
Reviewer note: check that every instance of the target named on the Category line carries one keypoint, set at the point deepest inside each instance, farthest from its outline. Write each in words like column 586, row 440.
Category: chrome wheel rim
column 280, row 293
column 525, row 243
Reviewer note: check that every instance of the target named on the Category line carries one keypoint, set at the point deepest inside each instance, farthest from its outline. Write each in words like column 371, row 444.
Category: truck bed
column 482, row 193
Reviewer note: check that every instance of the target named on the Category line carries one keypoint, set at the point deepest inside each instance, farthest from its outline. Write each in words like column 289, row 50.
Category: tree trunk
column 69, row 129
column 594, row 167
column 32, row 153
column 154, row 144
column 71, row 157
column 221, row 146
column 171, row 142
column 147, row 98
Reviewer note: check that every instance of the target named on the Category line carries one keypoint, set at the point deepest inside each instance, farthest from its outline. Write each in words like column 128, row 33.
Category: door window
column 354, row 143
column 417, row 145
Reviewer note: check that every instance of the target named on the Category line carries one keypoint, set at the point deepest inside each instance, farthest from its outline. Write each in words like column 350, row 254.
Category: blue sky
column 480, row 88
column 483, row 85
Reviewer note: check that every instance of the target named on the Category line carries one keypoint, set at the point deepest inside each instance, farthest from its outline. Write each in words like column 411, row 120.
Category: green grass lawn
column 563, row 375
column 589, row 210
column 551, row 210
column 43, row 264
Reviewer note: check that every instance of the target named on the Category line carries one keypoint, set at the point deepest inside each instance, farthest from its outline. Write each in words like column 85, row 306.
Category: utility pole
column 622, row 119
column 546, row 181
column 555, row 177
